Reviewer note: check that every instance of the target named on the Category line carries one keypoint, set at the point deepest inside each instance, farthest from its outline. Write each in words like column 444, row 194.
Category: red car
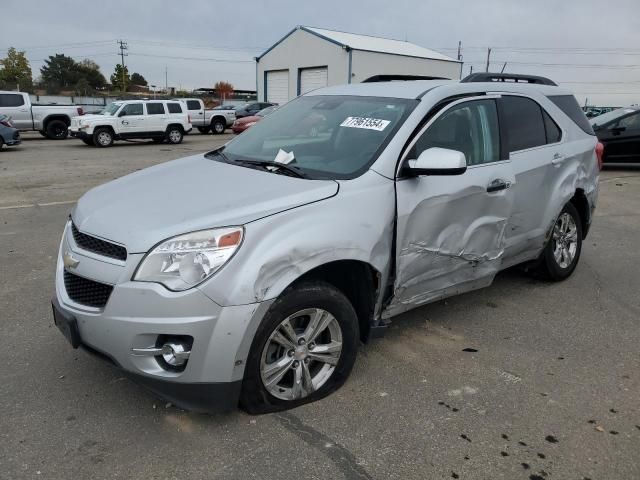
column 241, row 124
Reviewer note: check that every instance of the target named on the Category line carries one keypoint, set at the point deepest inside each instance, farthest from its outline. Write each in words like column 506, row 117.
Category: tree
column 59, row 72
column 15, row 71
column 83, row 87
column 137, row 79
column 90, row 71
column 224, row 90
column 120, row 79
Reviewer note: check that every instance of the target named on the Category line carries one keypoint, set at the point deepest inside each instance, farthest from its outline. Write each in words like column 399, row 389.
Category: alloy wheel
column 301, row 354
column 565, row 240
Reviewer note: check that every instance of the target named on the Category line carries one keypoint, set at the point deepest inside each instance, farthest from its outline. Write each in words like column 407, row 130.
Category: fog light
column 175, row 354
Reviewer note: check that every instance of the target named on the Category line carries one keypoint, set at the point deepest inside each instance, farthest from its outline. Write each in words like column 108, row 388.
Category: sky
column 588, row 46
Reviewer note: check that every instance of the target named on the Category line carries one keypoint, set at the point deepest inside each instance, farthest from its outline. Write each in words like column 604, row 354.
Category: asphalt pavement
column 521, row 380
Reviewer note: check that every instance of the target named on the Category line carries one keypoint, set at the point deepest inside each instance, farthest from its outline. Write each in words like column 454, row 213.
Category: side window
column 554, row 134
column 11, row 100
column 523, row 121
column 132, row 109
column 193, row 105
column 155, row 109
column 470, row 128
column 174, row 108
column 631, row 122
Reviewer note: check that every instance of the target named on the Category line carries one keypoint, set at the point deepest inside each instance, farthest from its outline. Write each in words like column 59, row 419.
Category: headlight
column 182, row 262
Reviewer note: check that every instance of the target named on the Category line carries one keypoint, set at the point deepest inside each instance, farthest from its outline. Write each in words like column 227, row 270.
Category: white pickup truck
column 52, row 121
column 214, row 120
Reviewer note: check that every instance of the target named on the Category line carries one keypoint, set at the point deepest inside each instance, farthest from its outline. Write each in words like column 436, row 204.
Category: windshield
column 265, row 111
column 110, row 109
column 324, row 136
column 610, row 116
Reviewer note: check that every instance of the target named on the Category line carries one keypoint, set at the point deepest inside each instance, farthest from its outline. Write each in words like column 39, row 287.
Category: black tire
column 204, row 130
column 175, row 134
column 218, row 126
column 43, row 133
column 254, row 397
column 56, row 130
column 102, row 137
column 547, row 266
column 87, row 141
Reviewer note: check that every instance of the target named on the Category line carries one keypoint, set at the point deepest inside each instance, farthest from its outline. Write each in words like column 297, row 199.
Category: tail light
column 599, row 154
column 80, row 111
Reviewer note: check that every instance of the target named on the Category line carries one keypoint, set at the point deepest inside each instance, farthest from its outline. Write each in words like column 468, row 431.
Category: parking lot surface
column 521, row 380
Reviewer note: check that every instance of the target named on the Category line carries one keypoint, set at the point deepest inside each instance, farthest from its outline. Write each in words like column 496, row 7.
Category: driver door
column 622, row 139
column 132, row 120
column 451, row 228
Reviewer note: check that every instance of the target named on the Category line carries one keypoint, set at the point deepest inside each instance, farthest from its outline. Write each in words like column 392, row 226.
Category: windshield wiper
column 295, row 171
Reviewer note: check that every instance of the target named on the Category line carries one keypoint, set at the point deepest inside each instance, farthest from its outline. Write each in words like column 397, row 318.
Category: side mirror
column 437, row 161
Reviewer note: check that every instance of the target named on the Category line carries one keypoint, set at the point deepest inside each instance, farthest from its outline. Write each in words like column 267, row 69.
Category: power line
column 221, row 60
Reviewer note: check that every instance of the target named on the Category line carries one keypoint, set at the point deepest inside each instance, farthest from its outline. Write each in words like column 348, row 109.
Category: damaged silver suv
column 249, row 275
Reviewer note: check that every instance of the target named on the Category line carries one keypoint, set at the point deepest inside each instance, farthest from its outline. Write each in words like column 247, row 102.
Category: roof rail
column 507, row 77
column 391, row 78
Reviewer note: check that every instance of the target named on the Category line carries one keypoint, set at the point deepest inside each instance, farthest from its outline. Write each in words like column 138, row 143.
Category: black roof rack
column 507, row 77
column 391, row 78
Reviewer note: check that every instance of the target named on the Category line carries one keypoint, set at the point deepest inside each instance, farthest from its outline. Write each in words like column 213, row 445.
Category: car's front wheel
column 303, row 350
column 102, row 137
column 562, row 252
column 218, row 126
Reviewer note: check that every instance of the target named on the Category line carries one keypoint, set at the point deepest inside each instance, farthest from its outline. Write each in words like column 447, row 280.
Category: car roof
column 412, row 89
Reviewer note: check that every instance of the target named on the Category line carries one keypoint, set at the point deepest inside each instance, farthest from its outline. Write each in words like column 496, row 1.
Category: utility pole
column 470, row 69
column 460, row 55
column 123, row 49
column 166, row 82
column 488, row 57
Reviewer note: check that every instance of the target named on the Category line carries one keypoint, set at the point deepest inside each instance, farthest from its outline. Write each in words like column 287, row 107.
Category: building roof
column 368, row 43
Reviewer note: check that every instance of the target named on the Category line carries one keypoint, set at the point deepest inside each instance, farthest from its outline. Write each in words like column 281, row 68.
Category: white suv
column 159, row 120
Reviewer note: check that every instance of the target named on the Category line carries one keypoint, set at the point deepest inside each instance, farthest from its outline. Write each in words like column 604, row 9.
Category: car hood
column 249, row 119
column 90, row 117
column 193, row 193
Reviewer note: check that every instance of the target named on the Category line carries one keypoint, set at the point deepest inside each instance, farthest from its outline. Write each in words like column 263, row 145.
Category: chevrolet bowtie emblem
column 69, row 261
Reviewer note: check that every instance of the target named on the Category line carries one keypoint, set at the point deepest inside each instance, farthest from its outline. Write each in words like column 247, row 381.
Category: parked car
column 252, row 272
column 249, row 109
column 214, row 120
column 50, row 120
column 619, row 132
column 241, row 124
column 159, row 120
column 9, row 135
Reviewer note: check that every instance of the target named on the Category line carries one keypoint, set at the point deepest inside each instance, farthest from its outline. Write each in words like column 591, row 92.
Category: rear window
column 11, row 100
column 193, row 105
column 523, row 120
column 155, row 109
column 569, row 105
column 174, row 108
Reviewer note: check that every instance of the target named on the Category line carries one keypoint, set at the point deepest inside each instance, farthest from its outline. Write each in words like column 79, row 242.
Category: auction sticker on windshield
column 364, row 122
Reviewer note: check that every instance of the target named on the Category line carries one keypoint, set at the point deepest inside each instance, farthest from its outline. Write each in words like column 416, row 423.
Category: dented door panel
column 450, row 234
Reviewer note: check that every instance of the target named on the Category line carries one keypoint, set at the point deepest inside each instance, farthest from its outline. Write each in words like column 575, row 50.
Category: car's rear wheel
column 174, row 135
column 562, row 252
column 57, row 130
column 204, row 130
column 304, row 349
column 218, row 126
column 102, row 137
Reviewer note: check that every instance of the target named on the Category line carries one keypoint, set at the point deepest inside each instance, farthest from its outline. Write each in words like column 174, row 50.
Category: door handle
column 497, row 185
column 125, row 122
column 557, row 158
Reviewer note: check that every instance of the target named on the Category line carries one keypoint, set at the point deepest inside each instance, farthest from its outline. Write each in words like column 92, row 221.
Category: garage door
column 278, row 86
column 312, row 78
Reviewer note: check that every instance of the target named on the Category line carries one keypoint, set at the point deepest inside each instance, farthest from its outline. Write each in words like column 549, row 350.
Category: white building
column 308, row 58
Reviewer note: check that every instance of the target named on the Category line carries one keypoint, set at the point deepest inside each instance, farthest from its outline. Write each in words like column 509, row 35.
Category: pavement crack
column 339, row 455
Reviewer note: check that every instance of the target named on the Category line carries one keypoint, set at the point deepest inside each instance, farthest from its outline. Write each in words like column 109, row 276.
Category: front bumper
column 15, row 140
column 80, row 134
column 137, row 313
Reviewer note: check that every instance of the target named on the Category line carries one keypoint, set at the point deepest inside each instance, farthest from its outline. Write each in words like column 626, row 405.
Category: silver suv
column 251, row 273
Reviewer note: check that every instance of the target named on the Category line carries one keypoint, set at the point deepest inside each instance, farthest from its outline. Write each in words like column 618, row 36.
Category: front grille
column 86, row 292
column 96, row 245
